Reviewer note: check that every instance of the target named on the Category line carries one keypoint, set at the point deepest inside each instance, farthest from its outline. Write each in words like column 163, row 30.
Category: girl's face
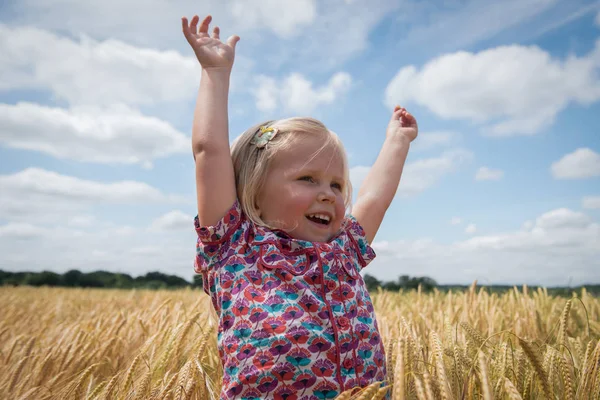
column 303, row 193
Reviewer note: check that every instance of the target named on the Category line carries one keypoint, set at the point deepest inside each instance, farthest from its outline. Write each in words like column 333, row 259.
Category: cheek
column 300, row 196
column 290, row 201
column 340, row 208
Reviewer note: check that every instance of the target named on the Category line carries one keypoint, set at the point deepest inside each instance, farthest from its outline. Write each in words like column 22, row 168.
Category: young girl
column 279, row 257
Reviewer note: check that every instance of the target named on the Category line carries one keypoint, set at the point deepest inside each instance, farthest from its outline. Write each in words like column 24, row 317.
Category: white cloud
column 90, row 72
column 488, row 174
column 564, row 16
column 38, row 194
column 112, row 135
column 65, row 220
column 419, row 175
column 34, row 181
column 580, row 164
column 430, row 140
column 114, row 18
column 551, row 231
column 296, row 94
column 561, row 246
column 172, row 221
column 116, row 249
column 515, row 90
column 125, row 231
column 22, row 231
column 143, row 22
column 468, row 22
column 325, row 33
column 591, row 202
column 266, row 93
column 471, row 229
column 285, row 19
column 81, row 221
column 562, row 218
column 358, row 175
column 340, row 31
column 456, row 221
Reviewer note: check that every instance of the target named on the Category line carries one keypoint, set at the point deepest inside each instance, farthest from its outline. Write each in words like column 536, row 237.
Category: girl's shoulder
column 232, row 220
column 214, row 242
column 353, row 240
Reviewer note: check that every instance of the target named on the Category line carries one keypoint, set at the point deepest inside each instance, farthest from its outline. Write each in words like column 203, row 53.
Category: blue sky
column 502, row 185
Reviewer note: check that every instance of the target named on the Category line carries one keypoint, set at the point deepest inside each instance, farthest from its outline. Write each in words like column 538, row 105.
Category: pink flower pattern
column 295, row 318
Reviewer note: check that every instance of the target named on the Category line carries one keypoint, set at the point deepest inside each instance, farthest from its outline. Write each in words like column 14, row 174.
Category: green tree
column 45, row 278
column 72, row 278
column 371, row 282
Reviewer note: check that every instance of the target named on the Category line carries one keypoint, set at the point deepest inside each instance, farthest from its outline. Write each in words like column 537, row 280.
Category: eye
column 336, row 185
column 306, row 178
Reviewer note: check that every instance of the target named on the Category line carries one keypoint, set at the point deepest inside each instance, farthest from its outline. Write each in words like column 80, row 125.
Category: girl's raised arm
column 380, row 185
column 215, row 180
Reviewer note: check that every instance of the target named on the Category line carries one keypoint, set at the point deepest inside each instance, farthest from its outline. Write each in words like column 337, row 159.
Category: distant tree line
column 97, row 279
column 158, row 280
column 406, row 282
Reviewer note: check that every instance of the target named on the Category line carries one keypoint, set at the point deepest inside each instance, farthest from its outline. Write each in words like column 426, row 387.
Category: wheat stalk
column 532, row 356
column 485, row 382
column 398, row 392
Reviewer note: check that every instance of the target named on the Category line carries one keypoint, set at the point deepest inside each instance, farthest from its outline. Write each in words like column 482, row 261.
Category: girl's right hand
column 210, row 51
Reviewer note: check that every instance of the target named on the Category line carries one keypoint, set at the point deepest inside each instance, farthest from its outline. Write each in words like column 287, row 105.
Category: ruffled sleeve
column 213, row 241
column 356, row 233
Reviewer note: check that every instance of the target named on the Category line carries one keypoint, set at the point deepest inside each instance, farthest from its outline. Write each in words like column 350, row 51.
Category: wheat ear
column 511, row 390
column 537, row 366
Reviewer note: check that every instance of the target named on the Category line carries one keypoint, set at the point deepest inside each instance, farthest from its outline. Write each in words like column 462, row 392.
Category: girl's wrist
column 400, row 137
column 218, row 72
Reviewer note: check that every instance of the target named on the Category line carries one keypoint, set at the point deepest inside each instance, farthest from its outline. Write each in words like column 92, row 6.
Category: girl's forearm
column 210, row 129
column 381, row 183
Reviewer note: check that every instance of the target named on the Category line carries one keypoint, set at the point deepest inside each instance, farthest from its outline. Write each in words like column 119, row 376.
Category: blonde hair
column 251, row 163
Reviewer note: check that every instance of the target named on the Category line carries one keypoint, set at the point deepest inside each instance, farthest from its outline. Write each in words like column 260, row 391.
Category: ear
column 257, row 208
column 258, row 202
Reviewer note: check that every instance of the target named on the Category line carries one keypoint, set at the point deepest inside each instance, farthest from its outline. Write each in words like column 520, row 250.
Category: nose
column 326, row 195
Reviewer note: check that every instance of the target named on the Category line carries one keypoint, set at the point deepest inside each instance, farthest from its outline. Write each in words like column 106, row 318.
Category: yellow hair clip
column 264, row 136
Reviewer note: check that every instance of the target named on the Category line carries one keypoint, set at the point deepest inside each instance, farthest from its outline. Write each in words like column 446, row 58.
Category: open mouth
column 320, row 219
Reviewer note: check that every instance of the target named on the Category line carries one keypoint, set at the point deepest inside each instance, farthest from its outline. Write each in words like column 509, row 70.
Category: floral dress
column 295, row 319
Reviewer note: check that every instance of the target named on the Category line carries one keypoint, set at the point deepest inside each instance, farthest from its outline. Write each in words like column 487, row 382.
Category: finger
column 216, row 32
column 204, row 25
column 398, row 108
column 397, row 112
column 185, row 27
column 232, row 41
column 409, row 119
column 193, row 25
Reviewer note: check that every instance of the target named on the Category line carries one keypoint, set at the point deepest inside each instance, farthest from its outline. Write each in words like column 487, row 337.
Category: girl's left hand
column 403, row 123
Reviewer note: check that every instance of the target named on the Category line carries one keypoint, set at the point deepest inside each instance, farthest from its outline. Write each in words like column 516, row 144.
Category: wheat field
column 112, row 344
